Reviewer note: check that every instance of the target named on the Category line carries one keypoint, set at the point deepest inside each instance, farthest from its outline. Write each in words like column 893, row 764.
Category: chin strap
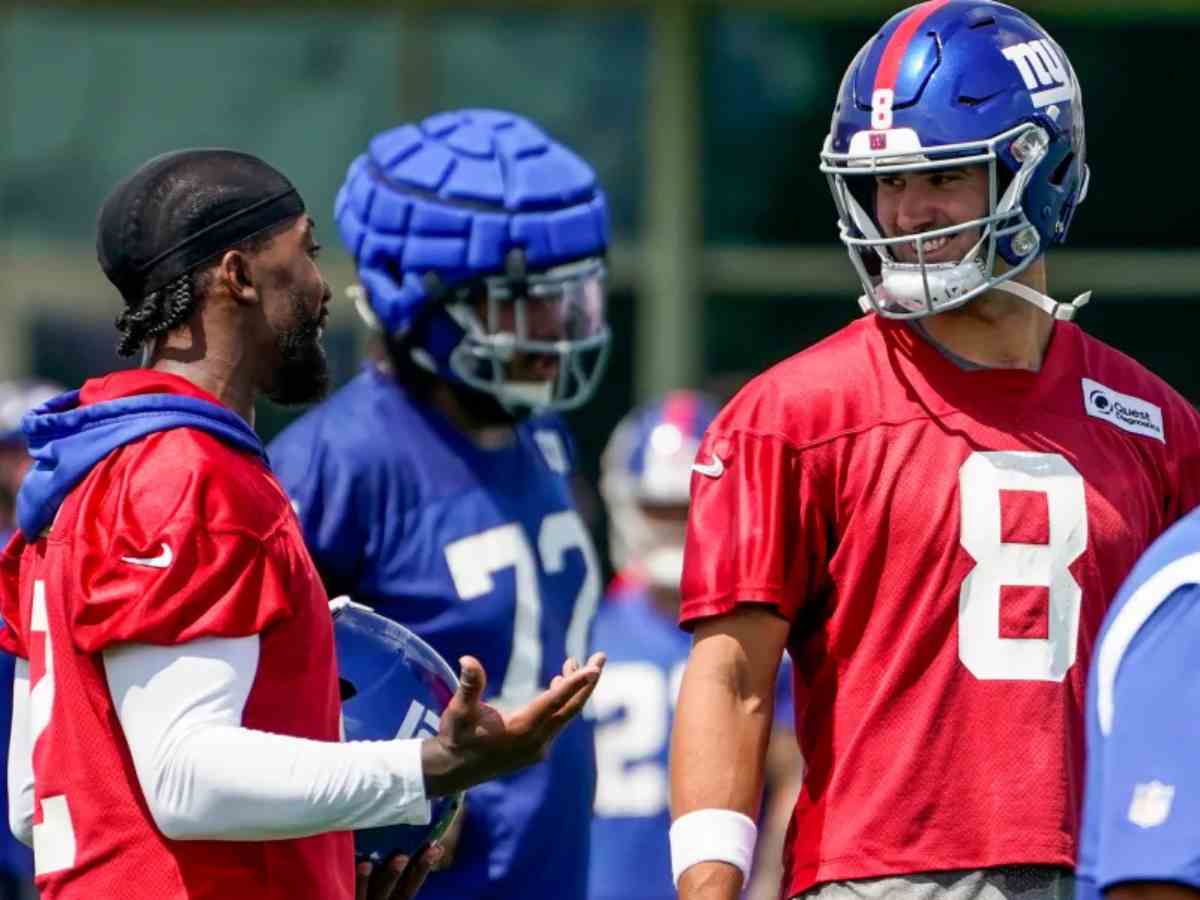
column 1064, row 311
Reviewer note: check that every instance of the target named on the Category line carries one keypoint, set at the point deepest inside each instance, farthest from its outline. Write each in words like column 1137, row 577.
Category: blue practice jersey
column 479, row 552
column 633, row 707
column 1141, row 818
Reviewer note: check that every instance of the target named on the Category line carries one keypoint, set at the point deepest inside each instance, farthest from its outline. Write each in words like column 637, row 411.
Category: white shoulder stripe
column 1133, row 615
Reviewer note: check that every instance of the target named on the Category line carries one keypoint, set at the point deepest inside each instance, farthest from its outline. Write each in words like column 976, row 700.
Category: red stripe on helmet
column 679, row 409
column 897, row 46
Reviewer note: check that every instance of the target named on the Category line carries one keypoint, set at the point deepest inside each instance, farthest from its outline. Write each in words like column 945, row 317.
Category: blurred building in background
column 703, row 118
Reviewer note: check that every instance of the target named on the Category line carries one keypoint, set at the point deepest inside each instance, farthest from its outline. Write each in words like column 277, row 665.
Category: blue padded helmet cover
column 443, row 202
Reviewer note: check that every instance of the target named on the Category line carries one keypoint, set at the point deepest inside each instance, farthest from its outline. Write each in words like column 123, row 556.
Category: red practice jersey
column 944, row 543
column 174, row 537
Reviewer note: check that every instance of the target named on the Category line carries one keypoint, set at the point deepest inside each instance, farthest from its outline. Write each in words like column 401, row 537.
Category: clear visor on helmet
column 909, row 276
column 536, row 343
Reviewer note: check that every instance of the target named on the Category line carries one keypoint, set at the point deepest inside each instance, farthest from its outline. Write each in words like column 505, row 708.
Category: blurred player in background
column 931, row 508
column 16, row 399
column 177, row 708
column 1141, row 814
column 646, row 470
column 434, row 486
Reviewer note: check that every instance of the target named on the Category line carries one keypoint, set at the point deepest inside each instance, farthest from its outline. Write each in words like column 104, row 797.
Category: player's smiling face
column 914, row 202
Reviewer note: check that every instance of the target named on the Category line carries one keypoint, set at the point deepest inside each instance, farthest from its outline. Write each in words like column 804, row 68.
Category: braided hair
column 163, row 228
column 173, row 304
column 159, row 312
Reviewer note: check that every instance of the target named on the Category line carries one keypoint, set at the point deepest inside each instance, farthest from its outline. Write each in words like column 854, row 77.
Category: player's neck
column 488, row 432
column 997, row 330
column 229, row 373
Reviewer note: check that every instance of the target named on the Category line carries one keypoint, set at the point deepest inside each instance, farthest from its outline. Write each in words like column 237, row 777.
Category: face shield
column 898, row 279
column 535, row 343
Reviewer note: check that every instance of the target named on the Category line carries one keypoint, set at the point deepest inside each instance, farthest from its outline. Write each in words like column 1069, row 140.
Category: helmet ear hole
column 1059, row 175
column 346, row 689
column 872, row 263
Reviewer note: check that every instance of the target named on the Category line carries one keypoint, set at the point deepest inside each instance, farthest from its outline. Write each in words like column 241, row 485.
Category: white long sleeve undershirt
column 20, row 759
column 206, row 777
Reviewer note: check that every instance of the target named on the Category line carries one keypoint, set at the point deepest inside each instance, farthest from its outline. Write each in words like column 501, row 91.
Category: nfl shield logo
column 878, row 141
column 553, row 451
column 1151, row 804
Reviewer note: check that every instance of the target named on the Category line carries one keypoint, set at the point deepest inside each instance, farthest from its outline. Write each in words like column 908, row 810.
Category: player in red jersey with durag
column 177, row 708
column 931, row 508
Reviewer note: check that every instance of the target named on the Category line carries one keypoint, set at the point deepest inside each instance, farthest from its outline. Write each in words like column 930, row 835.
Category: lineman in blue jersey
column 435, row 486
column 645, row 482
column 1141, row 813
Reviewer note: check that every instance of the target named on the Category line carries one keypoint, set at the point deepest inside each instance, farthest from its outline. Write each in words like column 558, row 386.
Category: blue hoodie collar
column 66, row 440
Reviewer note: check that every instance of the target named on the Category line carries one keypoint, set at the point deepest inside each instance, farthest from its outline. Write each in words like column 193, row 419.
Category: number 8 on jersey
column 1004, row 568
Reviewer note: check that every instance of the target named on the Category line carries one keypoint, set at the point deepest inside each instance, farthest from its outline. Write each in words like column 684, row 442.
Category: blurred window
column 580, row 74
column 769, row 86
column 89, row 94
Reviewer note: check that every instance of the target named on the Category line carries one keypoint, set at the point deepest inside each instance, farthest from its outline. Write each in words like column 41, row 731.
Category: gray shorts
column 1001, row 883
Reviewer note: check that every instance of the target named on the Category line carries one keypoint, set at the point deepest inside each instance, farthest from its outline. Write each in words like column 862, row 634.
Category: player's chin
column 302, row 375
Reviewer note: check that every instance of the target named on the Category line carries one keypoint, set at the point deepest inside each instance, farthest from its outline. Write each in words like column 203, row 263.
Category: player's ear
column 234, row 271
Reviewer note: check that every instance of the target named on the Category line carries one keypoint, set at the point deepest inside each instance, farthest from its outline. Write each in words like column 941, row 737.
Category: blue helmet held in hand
column 394, row 685
column 480, row 245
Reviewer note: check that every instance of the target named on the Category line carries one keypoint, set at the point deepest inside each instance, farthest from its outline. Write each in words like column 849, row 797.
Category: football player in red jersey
column 931, row 508
column 176, row 709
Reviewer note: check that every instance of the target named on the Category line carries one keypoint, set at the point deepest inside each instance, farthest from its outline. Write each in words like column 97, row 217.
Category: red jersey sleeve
column 756, row 532
column 190, row 584
column 11, row 639
column 178, row 538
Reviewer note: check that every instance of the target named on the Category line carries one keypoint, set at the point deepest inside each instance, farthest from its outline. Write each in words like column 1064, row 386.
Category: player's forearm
column 717, row 749
column 718, row 745
column 204, row 776
column 232, row 783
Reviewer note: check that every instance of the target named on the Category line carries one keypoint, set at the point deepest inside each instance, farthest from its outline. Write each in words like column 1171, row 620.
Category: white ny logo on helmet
column 419, row 722
column 1044, row 73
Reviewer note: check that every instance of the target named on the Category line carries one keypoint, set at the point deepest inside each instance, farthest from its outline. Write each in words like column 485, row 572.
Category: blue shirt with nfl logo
column 1141, row 814
column 480, row 552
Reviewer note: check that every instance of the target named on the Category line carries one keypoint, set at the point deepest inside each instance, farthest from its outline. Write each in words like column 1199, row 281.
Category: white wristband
column 712, row 835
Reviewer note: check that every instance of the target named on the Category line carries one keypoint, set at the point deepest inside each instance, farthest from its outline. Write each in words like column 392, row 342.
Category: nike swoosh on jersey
column 155, row 562
column 714, row 469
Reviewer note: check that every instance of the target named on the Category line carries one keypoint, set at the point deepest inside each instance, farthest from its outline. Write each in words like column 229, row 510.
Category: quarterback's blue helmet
column 478, row 239
column 947, row 84
column 394, row 685
column 645, row 475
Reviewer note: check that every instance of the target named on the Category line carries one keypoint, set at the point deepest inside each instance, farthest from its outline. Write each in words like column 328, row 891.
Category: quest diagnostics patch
column 1128, row 413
